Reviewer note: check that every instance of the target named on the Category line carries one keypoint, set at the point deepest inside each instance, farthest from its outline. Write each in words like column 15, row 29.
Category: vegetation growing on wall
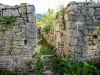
column 6, row 20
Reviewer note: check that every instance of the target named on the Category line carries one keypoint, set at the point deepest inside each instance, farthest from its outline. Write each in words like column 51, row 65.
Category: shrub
column 68, row 67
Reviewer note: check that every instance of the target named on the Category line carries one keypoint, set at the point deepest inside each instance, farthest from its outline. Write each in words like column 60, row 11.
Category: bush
column 68, row 67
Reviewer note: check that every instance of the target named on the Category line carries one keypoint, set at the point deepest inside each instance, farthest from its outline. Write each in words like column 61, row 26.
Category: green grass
column 44, row 48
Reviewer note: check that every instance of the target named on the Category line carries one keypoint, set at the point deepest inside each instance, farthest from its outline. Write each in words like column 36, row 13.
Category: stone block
column 73, row 41
column 30, row 9
column 31, row 18
column 84, row 12
column 77, row 18
column 30, row 30
column 97, row 17
column 22, row 9
column 74, row 33
column 77, row 12
column 97, row 13
column 92, row 47
column 94, row 5
column 11, row 12
column 91, row 52
column 91, row 12
column 97, row 22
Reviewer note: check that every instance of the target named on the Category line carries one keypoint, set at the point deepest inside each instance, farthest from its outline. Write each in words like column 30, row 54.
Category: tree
column 48, row 19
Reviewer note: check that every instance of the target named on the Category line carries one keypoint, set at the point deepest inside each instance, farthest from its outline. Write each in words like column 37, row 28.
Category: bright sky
column 41, row 5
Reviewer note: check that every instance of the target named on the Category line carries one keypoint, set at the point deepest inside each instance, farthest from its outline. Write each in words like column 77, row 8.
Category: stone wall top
column 16, row 10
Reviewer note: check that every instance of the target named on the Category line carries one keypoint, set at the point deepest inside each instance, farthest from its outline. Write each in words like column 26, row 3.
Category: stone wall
column 48, row 35
column 77, row 31
column 18, row 40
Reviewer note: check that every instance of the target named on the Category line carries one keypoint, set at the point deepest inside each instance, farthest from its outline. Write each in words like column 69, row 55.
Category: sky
column 40, row 5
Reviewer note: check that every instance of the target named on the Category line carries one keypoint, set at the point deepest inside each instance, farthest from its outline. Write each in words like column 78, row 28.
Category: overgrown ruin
column 18, row 39
column 77, row 31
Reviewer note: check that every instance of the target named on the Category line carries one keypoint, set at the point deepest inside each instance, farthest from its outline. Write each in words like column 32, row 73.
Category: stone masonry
column 18, row 40
column 77, row 31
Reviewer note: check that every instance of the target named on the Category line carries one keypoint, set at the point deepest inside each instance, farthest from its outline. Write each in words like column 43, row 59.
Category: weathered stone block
column 22, row 9
column 91, row 52
column 74, row 33
column 91, row 12
column 73, row 41
column 94, row 5
column 77, row 12
column 31, row 18
column 30, row 30
column 97, row 22
column 30, row 9
column 77, row 18
column 10, row 12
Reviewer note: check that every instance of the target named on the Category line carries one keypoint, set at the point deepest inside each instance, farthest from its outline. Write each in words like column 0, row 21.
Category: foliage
column 68, row 67
column 44, row 48
column 39, row 67
column 48, row 19
column 6, row 20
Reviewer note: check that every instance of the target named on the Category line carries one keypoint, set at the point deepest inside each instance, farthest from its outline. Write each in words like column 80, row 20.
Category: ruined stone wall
column 18, row 40
column 77, row 31
column 48, row 35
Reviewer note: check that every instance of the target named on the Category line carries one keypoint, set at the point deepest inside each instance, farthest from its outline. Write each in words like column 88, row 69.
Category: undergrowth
column 43, row 49
column 71, row 67
column 63, row 66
